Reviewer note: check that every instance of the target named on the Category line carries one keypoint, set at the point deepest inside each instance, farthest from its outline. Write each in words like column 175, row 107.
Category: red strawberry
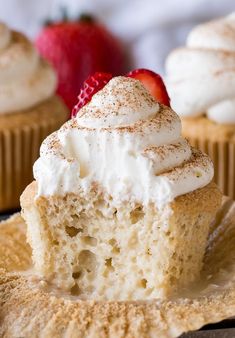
column 153, row 82
column 92, row 85
column 77, row 50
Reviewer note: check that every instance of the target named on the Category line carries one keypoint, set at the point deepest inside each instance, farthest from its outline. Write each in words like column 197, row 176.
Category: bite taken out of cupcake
column 201, row 84
column 29, row 111
column 121, row 204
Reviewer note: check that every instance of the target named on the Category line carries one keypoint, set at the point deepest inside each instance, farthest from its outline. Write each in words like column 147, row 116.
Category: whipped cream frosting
column 201, row 76
column 25, row 78
column 127, row 144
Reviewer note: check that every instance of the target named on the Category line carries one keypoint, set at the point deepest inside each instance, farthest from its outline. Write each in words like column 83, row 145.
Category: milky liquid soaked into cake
column 118, row 197
column 218, row 271
column 29, row 304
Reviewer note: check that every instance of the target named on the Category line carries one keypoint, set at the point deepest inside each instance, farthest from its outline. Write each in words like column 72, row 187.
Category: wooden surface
column 221, row 333
column 224, row 329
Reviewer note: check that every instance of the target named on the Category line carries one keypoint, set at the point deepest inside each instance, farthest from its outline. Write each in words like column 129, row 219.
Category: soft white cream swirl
column 201, row 76
column 25, row 79
column 128, row 144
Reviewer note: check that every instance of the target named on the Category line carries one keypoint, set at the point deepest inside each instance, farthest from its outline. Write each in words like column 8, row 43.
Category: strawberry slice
column 153, row 83
column 91, row 85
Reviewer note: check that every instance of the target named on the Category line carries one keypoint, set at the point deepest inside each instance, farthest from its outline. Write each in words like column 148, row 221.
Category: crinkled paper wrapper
column 21, row 135
column 222, row 154
column 28, row 309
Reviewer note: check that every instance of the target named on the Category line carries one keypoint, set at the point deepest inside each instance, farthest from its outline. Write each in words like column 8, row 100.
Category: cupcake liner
column 48, row 312
column 19, row 148
column 222, row 154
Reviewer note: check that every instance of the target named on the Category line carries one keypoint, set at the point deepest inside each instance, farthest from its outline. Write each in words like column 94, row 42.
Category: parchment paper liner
column 21, row 135
column 222, row 154
column 28, row 309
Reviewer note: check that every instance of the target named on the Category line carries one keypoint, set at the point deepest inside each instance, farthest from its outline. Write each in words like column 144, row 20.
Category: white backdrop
column 151, row 28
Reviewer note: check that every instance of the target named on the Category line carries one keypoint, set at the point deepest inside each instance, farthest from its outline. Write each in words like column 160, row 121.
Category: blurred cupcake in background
column 29, row 111
column 201, row 84
column 78, row 49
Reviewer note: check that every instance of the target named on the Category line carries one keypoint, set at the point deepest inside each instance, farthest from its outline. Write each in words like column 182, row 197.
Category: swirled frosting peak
column 120, row 103
column 126, row 144
column 25, row 79
column 201, row 76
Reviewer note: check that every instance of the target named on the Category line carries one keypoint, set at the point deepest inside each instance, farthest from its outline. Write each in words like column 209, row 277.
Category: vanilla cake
column 121, row 205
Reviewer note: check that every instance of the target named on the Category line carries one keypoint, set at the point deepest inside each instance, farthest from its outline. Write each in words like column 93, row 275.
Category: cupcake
column 121, row 205
column 29, row 111
column 201, row 84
